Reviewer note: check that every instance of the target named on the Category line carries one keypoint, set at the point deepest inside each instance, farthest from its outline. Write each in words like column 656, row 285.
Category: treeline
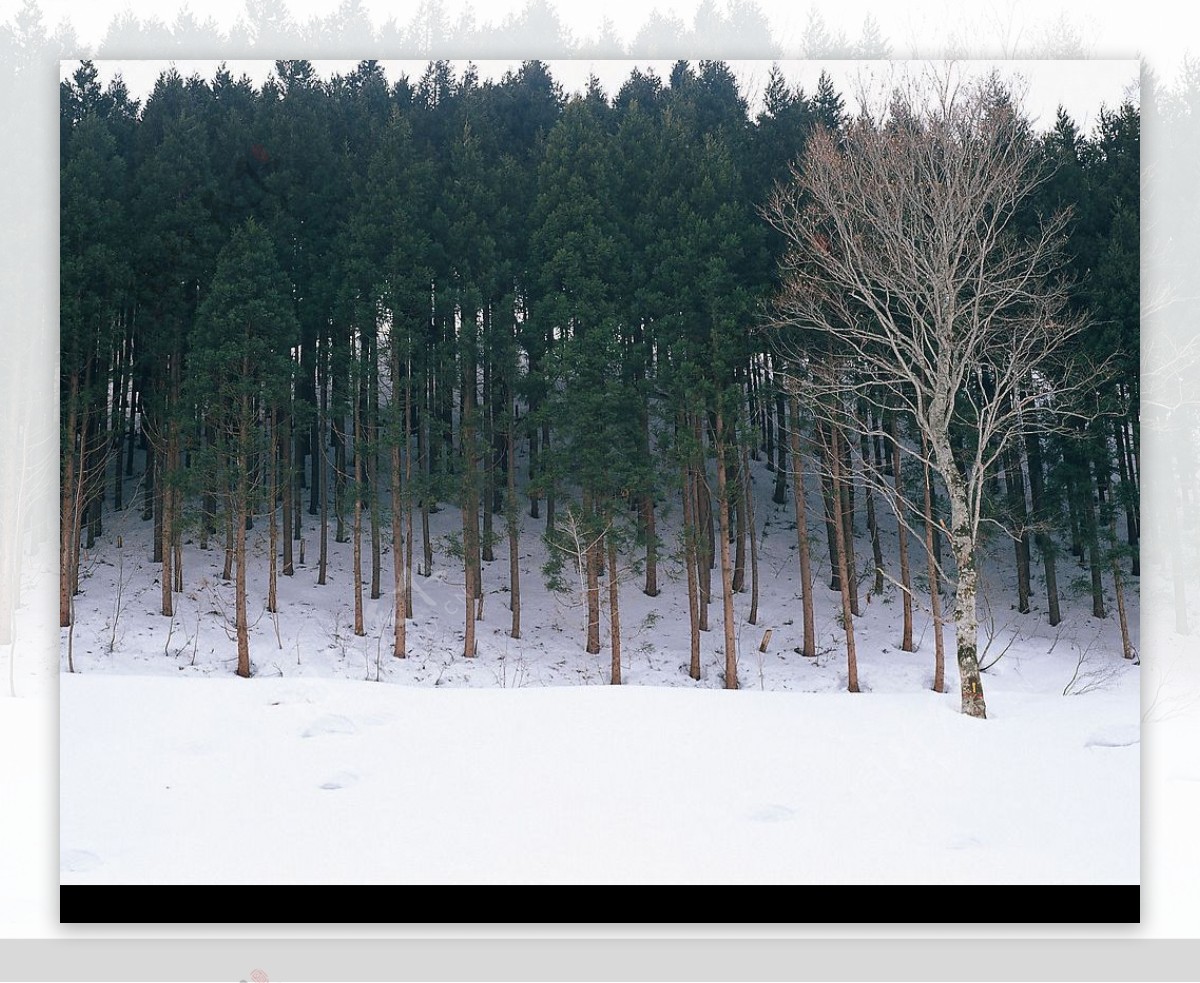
column 343, row 305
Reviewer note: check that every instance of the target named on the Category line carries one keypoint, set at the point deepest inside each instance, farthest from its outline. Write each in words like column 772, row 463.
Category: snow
column 333, row 781
column 338, row 763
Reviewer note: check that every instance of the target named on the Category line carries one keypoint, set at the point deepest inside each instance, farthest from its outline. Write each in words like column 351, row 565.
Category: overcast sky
column 1081, row 86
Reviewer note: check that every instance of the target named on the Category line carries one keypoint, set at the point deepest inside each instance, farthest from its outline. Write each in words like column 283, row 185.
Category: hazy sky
column 1081, row 86
column 1164, row 31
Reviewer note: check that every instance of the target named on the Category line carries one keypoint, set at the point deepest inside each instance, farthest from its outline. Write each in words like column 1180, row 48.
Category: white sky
column 1163, row 31
column 1081, row 86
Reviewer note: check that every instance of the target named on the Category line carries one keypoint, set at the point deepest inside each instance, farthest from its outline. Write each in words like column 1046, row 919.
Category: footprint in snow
column 1115, row 735
column 773, row 813
column 343, row 779
column 330, row 724
column 78, row 861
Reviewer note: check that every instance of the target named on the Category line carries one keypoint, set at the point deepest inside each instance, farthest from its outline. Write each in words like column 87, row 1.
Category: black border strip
column 1007, row 904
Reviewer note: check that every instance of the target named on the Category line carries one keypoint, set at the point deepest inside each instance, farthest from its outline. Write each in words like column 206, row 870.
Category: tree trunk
column 241, row 623
column 592, row 540
column 1033, row 453
column 514, row 528
column 68, row 511
column 289, row 492
column 809, row 647
column 359, row 628
column 648, row 526
column 1015, row 489
column 149, row 478
column 1128, row 496
column 935, row 588
column 407, row 497
column 426, row 541
column 1118, row 587
column 230, row 538
column 779, row 497
column 906, row 643
column 614, row 616
column 689, row 556
column 470, row 508
column 1093, row 546
column 846, row 475
column 272, row 533
column 399, row 643
column 731, row 680
column 704, row 521
column 321, row 469
column 748, row 498
column 548, row 479
column 737, row 502
column 844, row 578
column 835, row 580
column 872, row 519
column 966, row 621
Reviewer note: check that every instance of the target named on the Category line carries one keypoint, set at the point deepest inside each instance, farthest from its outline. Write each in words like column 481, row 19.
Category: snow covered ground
column 173, row 770
column 331, row 781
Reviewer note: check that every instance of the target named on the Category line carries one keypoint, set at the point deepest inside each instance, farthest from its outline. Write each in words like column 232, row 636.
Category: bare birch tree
column 907, row 276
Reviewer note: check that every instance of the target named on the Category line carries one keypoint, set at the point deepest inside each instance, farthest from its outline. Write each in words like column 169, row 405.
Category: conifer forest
column 401, row 377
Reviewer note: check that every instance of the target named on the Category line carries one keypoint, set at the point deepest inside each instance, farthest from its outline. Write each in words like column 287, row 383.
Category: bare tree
column 906, row 276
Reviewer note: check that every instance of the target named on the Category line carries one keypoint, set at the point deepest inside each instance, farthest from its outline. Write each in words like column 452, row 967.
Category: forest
column 339, row 311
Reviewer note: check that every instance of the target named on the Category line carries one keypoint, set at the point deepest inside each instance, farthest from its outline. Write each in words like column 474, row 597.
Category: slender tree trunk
column 321, row 469
column 289, row 490
column 531, row 490
column 689, row 556
column 370, row 451
column 835, row 580
column 1093, row 547
column 408, row 494
column 748, row 498
column 592, row 540
column 359, row 628
column 161, row 477
column 844, row 578
column 614, row 615
column 149, row 493
column 121, row 372
column 470, row 508
column 1128, row 496
column 426, row 540
column 399, row 643
column 648, row 526
column 846, row 475
column 272, row 529
column 779, row 497
column 872, row 519
column 488, row 441
column 230, row 538
column 704, row 520
column 241, row 622
column 1118, row 587
column 906, row 643
column 514, row 529
column 935, row 589
column 731, row 680
column 1033, row 449
column 67, row 514
column 548, row 479
column 1015, row 488
column 809, row 646
column 737, row 502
